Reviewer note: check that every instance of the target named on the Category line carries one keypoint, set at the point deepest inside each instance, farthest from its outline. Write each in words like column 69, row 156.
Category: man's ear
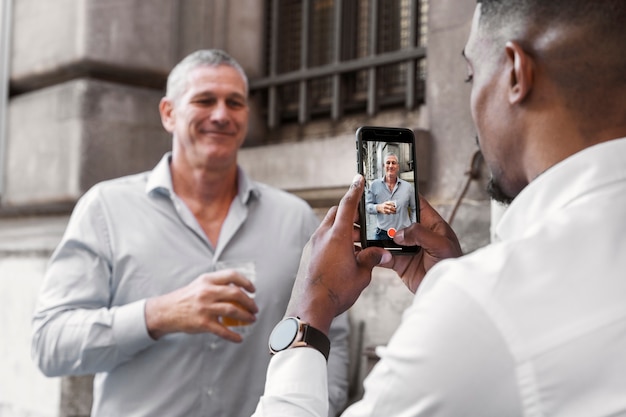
column 166, row 109
column 521, row 68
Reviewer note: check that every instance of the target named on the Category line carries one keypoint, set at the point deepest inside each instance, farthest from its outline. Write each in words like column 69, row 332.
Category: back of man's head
column 581, row 44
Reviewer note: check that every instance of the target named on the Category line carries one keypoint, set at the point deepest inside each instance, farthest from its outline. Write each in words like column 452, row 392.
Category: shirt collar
column 160, row 181
column 571, row 178
column 247, row 187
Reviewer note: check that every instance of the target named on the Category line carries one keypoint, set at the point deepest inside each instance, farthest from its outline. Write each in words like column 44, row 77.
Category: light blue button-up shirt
column 403, row 194
column 132, row 238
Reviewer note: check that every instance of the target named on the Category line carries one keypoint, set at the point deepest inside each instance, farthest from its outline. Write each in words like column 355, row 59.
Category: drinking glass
column 248, row 269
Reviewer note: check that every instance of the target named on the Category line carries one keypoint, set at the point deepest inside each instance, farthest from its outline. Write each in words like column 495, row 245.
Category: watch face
column 284, row 334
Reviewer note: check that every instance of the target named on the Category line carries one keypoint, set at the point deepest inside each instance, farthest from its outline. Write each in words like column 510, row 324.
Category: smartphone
column 386, row 159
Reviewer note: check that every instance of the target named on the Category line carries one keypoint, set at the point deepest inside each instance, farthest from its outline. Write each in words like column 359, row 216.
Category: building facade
column 80, row 82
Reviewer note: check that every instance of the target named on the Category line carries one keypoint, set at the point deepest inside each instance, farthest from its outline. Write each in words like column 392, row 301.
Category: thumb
column 416, row 235
column 438, row 241
column 371, row 257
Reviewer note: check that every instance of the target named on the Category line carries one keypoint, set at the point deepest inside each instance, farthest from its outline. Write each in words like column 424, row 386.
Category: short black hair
column 602, row 13
column 591, row 61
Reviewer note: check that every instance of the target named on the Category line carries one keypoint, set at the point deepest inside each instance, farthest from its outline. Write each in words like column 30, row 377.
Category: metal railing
column 340, row 72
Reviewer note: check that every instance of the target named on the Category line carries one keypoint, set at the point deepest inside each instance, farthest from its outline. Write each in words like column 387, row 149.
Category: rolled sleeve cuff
column 129, row 327
column 296, row 385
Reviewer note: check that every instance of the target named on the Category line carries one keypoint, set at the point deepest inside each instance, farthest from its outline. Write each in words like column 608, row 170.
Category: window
column 326, row 58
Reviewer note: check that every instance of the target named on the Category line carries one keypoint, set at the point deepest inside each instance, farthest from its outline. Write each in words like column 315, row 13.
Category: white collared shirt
column 531, row 325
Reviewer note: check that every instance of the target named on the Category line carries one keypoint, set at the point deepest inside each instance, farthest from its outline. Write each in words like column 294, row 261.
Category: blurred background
column 80, row 82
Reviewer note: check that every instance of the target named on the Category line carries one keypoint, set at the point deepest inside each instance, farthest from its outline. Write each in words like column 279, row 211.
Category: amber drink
column 248, row 269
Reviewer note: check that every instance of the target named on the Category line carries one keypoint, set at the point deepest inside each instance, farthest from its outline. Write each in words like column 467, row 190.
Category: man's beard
column 497, row 193
column 493, row 188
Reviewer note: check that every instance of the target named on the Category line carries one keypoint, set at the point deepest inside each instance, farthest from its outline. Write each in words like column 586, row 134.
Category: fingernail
column 399, row 235
column 385, row 258
column 356, row 179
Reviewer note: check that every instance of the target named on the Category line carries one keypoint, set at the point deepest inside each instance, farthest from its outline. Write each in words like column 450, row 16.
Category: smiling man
column 535, row 323
column 135, row 292
column 391, row 199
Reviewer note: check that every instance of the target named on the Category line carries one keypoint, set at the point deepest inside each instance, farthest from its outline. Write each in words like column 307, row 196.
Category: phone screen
column 386, row 159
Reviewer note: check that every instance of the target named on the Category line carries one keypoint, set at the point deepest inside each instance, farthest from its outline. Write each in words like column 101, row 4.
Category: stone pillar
column 86, row 131
column 76, row 396
column 450, row 122
column 86, row 79
column 26, row 244
column 93, row 87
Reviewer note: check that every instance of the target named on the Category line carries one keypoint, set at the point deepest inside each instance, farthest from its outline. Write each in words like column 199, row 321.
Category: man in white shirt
column 535, row 323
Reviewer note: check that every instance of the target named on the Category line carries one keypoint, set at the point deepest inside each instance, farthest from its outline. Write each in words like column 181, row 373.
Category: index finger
column 348, row 206
column 230, row 277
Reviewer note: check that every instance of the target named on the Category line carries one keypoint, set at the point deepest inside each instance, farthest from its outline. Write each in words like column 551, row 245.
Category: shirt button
column 213, row 345
column 209, row 392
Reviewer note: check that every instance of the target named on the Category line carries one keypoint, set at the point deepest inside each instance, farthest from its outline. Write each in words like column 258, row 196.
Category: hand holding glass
column 248, row 269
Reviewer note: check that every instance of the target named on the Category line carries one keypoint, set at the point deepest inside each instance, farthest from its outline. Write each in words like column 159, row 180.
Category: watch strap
column 315, row 338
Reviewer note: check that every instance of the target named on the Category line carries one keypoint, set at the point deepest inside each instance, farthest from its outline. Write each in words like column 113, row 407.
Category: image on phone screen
column 390, row 201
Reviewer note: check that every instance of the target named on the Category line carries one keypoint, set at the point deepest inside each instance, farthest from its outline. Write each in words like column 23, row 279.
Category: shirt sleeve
column 370, row 199
column 296, row 385
column 75, row 330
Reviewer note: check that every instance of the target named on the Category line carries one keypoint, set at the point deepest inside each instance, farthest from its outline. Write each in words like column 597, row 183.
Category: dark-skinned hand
column 334, row 271
column 438, row 242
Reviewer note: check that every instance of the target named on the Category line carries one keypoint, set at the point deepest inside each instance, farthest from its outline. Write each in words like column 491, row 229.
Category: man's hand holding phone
column 334, row 271
column 437, row 240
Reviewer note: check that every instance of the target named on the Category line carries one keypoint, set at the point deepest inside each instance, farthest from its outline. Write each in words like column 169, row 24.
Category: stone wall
column 26, row 243
column 85, row 131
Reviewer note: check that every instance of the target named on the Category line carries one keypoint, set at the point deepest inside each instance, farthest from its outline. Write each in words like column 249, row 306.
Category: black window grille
column 326, row 58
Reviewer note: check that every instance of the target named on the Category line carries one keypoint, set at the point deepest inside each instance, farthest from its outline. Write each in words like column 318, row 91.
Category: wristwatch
column 293, row 332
